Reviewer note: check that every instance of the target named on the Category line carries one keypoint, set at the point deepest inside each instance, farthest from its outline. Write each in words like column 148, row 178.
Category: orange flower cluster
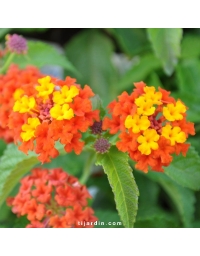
column 12, row 80
column 51, row 110
column 53, row 198
column 151, row 125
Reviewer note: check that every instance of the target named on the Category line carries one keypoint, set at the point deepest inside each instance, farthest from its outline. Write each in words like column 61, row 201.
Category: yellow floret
column 17, row 94
column 174, row 112
column 45, row 88
column 29, row 129
column 174, row 134
column 137, row 123
column 59, row 112
column 144, row 107
column 24, row 105
column 65, row 95
column 148, row 141
column 152, row 96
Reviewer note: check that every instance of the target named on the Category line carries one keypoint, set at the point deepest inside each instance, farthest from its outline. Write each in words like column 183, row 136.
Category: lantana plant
column 44, row 117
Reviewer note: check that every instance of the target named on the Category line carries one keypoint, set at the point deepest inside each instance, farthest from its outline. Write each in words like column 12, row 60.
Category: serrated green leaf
column 14, row 165
column 186, row 170
column 183, row 198
column 166, row 45
column 138, row 72
column 122, row 182
column 90, row 52
column 131, row 40
column 41, row 54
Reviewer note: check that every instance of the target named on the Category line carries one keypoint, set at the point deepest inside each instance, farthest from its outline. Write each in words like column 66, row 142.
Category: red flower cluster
column 151, row 125
column 12, row 80
column 51, row 110
column 53, row 198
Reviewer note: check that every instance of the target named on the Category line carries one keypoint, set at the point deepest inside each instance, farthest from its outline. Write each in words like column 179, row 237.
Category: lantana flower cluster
column 151, row 126
column 53, row 198
column 51, row 110
column 12, row 80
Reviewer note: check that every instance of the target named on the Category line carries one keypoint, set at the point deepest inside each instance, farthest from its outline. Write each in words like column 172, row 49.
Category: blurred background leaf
column 91, row 52
column 182, row 198
column 4, row 31
column 132, row 41
column 166, row 45
column 185, row 170
column 190, row 47
column 138, row 72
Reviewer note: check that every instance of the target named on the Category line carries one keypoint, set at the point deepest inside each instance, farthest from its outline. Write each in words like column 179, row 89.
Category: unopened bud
column 102, row 145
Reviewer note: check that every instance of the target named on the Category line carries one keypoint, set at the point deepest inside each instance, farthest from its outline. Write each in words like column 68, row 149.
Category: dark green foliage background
column 110, row 60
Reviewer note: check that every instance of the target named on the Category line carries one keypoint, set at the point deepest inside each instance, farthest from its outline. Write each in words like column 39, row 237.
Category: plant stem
column 88, row 166
column 7, row 63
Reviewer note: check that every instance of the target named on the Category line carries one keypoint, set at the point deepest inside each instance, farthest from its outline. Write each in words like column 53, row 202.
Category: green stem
column 7, row 63
column 88, row 167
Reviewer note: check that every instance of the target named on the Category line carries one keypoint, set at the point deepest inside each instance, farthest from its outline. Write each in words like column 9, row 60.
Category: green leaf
column 14, row 165
column 70, row 162
column 155, row 217
column 138, row 72
column 2, row 146
column 189, row 84
column 41, row 54
column 190, row 47
column 166, row 45
column 98, row 104
column 149, row 191
column 107, row 219
column 186, row 170
column 21, row 222
column 154, row 80
column 183, row 198
column 90, row 52
column 4, row 31
column 188, row 76
column 115, row 165
column 194, row 141
column 131, row 40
